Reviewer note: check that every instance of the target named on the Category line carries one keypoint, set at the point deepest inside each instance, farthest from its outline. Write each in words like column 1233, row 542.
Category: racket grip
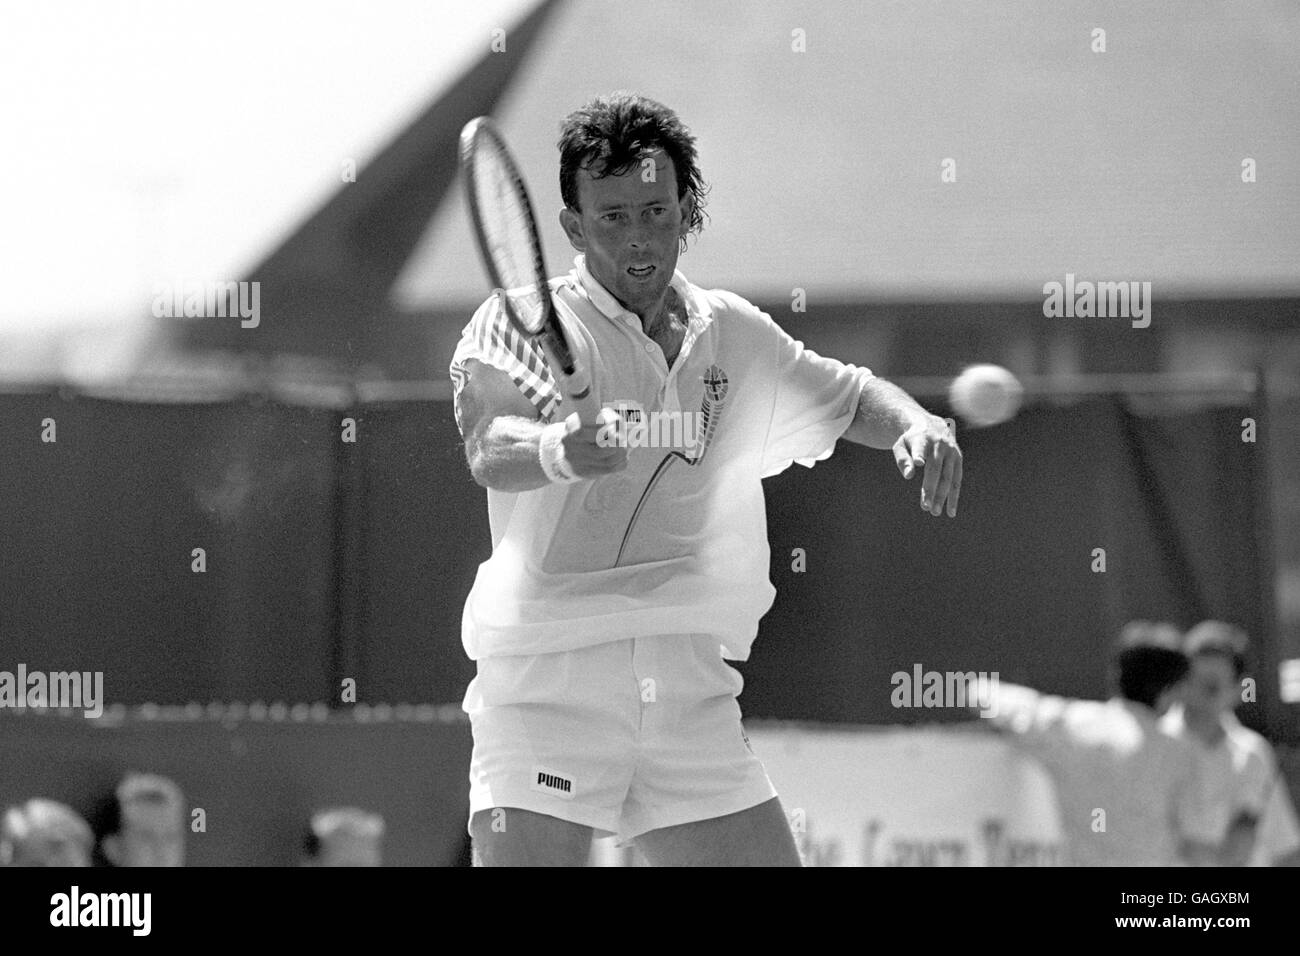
column 575, row 386
column 586, row 406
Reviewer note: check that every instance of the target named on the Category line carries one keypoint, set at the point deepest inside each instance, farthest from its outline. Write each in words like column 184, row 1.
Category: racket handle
column 576, row 387
column 586, row 406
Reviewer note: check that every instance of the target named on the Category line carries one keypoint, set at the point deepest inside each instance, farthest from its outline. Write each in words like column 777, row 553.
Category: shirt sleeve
column 491, row 339
column 1257, row 778
column 1035, row 722
column 1279, row 831
column 815, row 401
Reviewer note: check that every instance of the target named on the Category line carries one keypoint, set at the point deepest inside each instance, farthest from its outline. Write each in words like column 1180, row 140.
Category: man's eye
column 609, row 217
column 659, row 210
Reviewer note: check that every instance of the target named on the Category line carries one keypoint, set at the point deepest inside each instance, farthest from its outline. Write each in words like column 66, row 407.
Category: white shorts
column 624, row 737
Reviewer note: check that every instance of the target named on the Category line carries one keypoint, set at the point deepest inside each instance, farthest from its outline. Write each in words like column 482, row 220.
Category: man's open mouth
column 640, row 271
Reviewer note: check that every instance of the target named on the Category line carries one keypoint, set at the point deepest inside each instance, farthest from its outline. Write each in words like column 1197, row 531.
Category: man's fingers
column 955, row 493
column 939, row 456
column 608, row 428
column 933, row 473
column 575, row 447
column 943, row 494
column 917, row 448
column 596, row 448
column 591, row 462
column 913, row 453
column 903, row 458
column 604, row 437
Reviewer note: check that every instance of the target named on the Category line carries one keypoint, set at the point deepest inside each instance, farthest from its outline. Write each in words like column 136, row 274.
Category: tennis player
column 620, row 581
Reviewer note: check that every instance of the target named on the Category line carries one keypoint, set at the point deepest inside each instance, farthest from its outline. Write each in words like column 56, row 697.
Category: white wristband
column 550, row 452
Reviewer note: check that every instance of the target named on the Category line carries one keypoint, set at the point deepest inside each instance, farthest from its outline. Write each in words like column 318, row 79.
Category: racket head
column 505, row 226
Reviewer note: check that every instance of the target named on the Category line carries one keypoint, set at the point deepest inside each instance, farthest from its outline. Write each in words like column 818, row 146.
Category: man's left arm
column 889, row 418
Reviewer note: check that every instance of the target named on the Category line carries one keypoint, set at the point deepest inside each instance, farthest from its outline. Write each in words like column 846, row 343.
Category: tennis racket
column 506, row 230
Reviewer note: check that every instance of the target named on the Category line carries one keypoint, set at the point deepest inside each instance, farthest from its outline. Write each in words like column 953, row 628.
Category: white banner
column 905, row 796
column 909, row 796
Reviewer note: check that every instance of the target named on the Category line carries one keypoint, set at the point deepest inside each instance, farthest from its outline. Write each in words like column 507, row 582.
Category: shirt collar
column 1176, row 721
column 599, row 296
column 1232, row 727
column 1228, row 719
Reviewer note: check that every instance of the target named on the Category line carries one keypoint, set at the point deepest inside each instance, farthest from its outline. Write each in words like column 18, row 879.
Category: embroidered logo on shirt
column 715, row 384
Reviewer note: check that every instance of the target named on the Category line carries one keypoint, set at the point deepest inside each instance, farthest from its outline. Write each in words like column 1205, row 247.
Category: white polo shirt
column 1122, row 784
column 569, row 567
column 1239, row 774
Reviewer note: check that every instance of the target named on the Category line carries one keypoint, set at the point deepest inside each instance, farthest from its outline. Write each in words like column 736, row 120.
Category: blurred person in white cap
column 345, row 836
column 1241, row 801
column 145, row 823
column 44, row 833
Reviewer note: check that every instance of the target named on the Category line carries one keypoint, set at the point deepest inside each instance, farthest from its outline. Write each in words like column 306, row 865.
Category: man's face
column 629, row 228
column 50, row 849
column 1212, row 686
column 350, row 849
column 151, row 835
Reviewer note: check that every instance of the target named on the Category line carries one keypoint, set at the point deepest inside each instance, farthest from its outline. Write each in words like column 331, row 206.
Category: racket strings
column 507, row 224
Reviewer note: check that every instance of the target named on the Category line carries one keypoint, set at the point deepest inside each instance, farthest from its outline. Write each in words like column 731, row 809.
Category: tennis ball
column 985, row 395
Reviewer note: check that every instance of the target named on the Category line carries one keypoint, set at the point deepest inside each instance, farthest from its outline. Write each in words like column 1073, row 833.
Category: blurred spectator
column 1241, row 801
column 44, row 833
column 144, row 823
column 344, row 836
column 1122, row 785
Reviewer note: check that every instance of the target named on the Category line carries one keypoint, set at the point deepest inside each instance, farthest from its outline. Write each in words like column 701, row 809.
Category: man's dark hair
column 611, row 134
column 1148, row 661
column 1218, row 639
column 310, row 843
column 105, row 820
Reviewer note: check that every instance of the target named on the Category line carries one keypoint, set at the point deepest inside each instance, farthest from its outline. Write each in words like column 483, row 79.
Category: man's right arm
column 502, row 432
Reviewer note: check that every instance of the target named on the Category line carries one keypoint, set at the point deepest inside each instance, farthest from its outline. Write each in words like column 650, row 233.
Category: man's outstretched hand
column 932, row 445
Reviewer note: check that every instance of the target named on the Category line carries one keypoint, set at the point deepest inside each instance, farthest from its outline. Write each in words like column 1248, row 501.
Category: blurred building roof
column 825, row 165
